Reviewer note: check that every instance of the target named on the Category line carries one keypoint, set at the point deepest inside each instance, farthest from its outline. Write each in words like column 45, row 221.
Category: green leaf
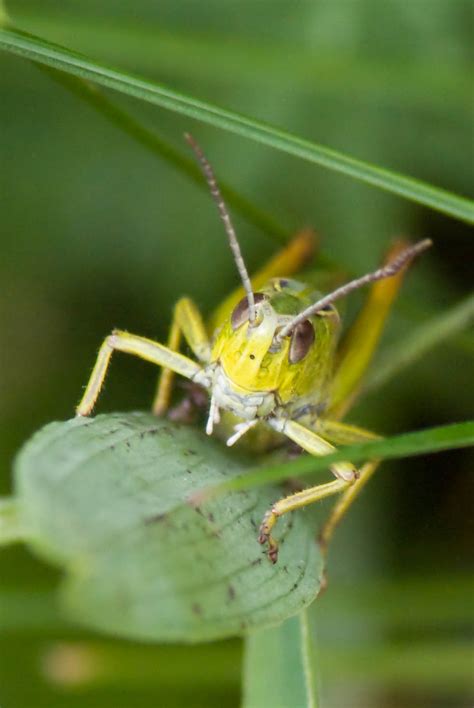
column 106, row 498
column 59, row 58
column 446, row 437
column 279, row 666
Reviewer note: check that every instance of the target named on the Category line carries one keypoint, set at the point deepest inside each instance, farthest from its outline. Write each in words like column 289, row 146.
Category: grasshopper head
column 254, row 358
column 279, row 341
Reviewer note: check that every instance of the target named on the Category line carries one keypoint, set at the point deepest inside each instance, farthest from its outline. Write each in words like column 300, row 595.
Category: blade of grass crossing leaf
column 438, row 330
column 446, row 437
column 59, row 58
column 279, row 666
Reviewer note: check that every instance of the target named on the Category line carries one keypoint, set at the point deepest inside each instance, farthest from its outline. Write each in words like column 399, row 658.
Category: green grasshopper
column 270, row 357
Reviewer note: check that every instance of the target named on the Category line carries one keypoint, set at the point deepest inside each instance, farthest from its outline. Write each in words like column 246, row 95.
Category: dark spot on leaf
column 189, row 471
column 252, row 356
column 257, row 561
column 197, row 609
column 285, row 568
column 155, row 519
column 231, row 592
column 211, row 517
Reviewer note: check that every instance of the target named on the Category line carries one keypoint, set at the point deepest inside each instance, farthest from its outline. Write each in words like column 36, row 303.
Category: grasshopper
column 270, row 357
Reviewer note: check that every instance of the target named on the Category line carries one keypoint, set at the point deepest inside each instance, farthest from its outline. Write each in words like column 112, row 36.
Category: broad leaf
column 107, row 499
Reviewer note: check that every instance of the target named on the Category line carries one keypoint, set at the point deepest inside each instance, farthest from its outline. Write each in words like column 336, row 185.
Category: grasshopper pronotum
column 270, row 357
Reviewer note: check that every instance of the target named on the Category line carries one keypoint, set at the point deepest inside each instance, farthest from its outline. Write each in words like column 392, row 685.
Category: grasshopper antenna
column 387, row 271
column 224, row 214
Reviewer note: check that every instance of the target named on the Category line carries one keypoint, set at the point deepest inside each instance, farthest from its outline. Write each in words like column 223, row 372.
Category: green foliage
column 59, row 58
column 107, row 499
column 279, row 666
column 95, row 235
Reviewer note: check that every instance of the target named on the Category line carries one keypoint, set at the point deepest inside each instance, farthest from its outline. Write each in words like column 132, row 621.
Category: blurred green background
column 97, row 232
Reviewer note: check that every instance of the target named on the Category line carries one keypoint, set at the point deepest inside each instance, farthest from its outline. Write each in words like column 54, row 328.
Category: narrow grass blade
column 280, row 666
column 211, row 57
column 57, row 57
column 422, row 442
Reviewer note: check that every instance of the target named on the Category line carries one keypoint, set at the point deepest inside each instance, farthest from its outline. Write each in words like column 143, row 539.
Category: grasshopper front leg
column 145, row 349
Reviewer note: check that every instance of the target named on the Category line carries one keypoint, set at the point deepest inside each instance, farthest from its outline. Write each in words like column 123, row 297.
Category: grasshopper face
column 249, row 358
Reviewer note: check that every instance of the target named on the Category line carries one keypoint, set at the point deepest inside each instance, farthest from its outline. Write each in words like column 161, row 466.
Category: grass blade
column 211, row 57
column 57, row 57
column 446, row 437
column 279, row 666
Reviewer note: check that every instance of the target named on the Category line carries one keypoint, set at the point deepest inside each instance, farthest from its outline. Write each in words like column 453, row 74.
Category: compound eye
column 240, row 313
column 302, row 338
